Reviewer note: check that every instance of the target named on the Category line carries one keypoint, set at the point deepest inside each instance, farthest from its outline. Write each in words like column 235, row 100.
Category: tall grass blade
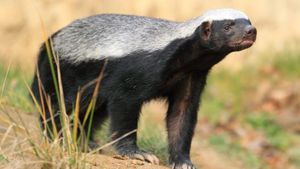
column 5, row 79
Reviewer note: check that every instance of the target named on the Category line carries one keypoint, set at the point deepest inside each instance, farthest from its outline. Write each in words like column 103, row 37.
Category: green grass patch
column 276, row 135
column 294, row 154
column 288, row 63
column 225, row 145
column 103, row 133
column 295, row 159
column 227, row 92
column 2, row 158
column 13, row 89
column 152, row 139
column 212, row 110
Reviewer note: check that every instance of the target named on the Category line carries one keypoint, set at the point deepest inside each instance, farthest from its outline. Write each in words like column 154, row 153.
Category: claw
column 137, row 156
column 183, row 166
column 151, row 158
column 141, row 155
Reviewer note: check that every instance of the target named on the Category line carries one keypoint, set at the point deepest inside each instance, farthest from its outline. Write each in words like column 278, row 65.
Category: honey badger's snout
column 250, row 33
column 247, row 38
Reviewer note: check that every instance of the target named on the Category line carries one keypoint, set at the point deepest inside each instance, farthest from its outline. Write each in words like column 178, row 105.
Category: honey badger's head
column 227, row 30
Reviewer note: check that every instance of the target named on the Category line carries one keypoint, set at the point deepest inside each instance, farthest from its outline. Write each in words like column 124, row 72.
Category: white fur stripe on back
column 115, row 36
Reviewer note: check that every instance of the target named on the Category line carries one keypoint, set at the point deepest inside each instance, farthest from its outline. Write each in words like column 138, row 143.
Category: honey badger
column 147, row 58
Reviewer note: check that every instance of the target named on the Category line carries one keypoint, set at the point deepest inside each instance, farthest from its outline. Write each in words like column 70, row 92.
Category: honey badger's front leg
column 182, row 118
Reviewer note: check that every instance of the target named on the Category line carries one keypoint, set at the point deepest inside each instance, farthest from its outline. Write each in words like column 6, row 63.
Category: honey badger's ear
column 205, row 30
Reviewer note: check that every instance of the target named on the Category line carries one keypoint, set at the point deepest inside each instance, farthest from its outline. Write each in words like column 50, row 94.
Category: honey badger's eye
column 227, row 27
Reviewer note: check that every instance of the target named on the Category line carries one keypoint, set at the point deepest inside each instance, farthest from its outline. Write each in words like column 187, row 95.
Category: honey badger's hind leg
column 99, row 117
column 124, row 118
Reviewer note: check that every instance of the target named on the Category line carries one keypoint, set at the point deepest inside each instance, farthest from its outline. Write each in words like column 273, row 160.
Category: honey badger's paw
column 138, row 154
column 186, row 165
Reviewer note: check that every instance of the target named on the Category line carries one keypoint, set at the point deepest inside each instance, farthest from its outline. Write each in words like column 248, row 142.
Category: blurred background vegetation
column 250, row 113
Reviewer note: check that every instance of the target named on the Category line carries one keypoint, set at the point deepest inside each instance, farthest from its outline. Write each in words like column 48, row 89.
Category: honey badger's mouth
column 244, row 44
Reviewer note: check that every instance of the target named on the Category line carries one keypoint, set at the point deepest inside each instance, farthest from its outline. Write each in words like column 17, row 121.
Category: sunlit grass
column 224, row 144
column 275, row 133
column 288, row 63
column 14, row 91
column 153, row 138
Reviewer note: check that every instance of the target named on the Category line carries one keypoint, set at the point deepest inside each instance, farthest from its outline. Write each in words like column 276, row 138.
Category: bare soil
column 27, row 160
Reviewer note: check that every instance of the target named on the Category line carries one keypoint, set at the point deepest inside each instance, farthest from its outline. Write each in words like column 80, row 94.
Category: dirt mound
column 10, row 158
column 94, row 162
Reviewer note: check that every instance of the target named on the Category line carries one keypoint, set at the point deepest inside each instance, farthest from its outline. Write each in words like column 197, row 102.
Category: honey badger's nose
column 250, row 30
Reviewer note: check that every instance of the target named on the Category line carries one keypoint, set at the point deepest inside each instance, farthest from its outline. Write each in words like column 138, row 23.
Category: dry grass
column 21, row 36
column 21, row 149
